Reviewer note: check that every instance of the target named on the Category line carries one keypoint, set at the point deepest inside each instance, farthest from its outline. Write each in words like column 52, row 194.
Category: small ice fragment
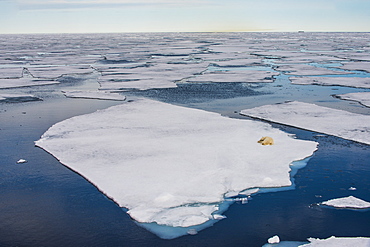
column 192, row 232
column 20, row 161
column 218, row 216
column 274, row 240
column 352, row 188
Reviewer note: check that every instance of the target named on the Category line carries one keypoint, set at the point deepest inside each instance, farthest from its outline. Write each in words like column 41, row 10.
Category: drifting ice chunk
column 94, row 95
column 347, row 202
column 172, row 165
column 363, row 98
column 21, row 161
column 312, row 117
column 274, row 240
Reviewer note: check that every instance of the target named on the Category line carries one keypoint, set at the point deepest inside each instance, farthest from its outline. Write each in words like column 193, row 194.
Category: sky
column 106, row 16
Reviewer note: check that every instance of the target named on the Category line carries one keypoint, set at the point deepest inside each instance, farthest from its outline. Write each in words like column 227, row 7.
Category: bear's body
column 266, row 140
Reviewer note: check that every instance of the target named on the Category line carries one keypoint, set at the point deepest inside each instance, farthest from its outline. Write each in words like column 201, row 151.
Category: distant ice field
column 175, row 98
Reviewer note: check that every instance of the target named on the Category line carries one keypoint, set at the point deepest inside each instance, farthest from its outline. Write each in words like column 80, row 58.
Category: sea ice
column 361, row 66
column 25, row 82
column 10, row 72
column 305, row 69
column 363, row 97
column 172, row 165
column 347, row 202
column 235, row 76
column 274, row 240
column 19, row 97
column 358, row 82
column 239, row 62
column 312, row 117
column 94, row 95
column 54, row 72
column 338, row 241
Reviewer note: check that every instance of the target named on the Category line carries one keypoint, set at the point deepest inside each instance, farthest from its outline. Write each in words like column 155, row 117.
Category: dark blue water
column 43, row 203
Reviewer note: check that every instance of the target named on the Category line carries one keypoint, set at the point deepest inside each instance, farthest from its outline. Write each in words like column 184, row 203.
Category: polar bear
column 266, row 140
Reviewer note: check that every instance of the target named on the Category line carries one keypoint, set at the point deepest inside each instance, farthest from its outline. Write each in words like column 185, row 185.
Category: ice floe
column 338, row 241
column 361, row 66
column 54, row 72
column 235, row 76
column 21, row 161
column 312, row 117
column 172, row 165
column 14, row 97
column 274, row 240
column 329, row 242
column 347, row 202
column 305, row 69
column 95, row 95
column 358, row 82
column 362, row 97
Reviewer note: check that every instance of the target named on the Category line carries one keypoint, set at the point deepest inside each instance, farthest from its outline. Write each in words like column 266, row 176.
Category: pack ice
column 172, row 165
column 312, row 117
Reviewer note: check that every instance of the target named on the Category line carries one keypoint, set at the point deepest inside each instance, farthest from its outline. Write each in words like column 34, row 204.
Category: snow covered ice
column 312, row 117
column 357, row 82
column 151, row 158
column 363, row 97
column 329, row 242
column 338, row 241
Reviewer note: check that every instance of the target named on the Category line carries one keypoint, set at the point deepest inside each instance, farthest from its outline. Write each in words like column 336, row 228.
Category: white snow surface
column 94, row 95
column 338, row 242
column 169, row 164
column 358, row 82
column 312, row 117
column 347, row 202
column 363, row 97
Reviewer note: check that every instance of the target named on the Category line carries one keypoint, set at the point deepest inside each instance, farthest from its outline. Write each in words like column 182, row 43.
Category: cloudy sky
column 92, row 16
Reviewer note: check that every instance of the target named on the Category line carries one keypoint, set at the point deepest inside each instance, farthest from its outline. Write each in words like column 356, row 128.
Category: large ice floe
column 312, row 117
column 347, row 202
column 172, row 165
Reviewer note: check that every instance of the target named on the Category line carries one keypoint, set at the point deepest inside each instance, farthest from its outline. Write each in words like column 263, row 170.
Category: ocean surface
column 43, row 203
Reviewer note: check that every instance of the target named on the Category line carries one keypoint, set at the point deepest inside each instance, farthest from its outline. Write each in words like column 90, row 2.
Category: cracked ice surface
column 347, row 202
column 172, row 165
column 312, row 117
